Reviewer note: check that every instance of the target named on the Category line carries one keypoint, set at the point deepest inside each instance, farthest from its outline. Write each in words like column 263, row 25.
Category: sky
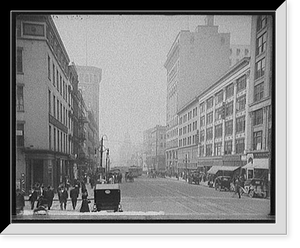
column 131, row 51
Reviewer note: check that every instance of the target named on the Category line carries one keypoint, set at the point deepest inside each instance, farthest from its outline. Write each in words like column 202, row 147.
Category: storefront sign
column 261, row 155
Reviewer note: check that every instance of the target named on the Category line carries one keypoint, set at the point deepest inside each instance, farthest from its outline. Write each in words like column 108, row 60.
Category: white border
column 279, row 228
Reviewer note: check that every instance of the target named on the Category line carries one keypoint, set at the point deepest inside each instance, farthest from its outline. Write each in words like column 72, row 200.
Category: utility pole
column 101, row 152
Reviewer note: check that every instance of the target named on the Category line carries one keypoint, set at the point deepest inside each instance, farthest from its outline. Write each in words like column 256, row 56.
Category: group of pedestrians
column 44, row 197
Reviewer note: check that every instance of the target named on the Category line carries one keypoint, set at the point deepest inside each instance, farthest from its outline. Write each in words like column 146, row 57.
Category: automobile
column 129, row 177
column 107, row 197
column 255, row 188
column 222, row 183
column 194, row 177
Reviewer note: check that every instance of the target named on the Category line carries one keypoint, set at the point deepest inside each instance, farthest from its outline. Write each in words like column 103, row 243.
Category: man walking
column 74, row 195
column 63, row 197
column 237, row 184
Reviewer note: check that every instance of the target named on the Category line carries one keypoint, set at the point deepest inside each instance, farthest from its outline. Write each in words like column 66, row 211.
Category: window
column 34, row 29
column 180, row 120
column 49, row 101
column 57, row 112
column 209, row 103
column 54, row 138
column 240, row 145
column 20, row 98
column 260, row 68
column 258, row 92
column 229, row 109
column 261, row 44
column 218, row 131
column 209, row 133
column 209, row 118
column 241, row 83
column 19, row 60
column 195, row 112
column 54, row 114
column 238, row 52
column 218, row 148
column 240, row 124
column 228, row 147
column 218, row 113
column 53, row 74
column 202, row 136
column 229, row 127
column 229, row 91
column 261, row 22
column 194, row 125
column 202, row 108
column 60, row 85
column 202, row 121
column 257, row 117
column 49, row 68
column 241, row 103
column 20, row 134
column 209, row 150
column 49, row 137
column 57, row 80
column 201, row 151
column 246, row 52
column 184, row 130
column 257, row 140
column 180, row 131
column 219, row 97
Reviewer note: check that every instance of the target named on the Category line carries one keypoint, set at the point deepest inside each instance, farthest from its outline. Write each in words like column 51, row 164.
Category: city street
column 167, row 199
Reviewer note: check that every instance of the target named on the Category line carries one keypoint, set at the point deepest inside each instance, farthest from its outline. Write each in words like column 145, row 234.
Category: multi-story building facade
column 260, row 97
column 43, row 102
column 223, row 121
column 158, row 146
column 191, row 67
column 89, row 83
column 188, row 136
column 237, row 52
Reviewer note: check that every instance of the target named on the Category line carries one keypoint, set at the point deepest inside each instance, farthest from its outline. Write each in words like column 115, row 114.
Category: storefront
column 257, row 168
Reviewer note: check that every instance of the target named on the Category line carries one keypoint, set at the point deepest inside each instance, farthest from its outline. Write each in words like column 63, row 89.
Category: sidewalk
column 88, row 187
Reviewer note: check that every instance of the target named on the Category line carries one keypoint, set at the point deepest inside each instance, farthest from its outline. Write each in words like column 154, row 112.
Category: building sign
column 261, row 155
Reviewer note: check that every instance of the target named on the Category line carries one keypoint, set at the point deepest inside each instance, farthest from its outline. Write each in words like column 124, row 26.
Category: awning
column 214, row 169
column 262, row 163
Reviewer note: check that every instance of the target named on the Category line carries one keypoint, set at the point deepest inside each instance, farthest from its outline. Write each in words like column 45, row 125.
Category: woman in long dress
column 85, row 202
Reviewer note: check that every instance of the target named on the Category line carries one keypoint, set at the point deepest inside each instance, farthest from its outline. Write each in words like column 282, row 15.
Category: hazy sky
column 131, row 51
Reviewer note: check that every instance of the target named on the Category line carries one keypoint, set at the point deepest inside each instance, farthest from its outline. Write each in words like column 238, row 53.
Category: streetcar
column 136, row 171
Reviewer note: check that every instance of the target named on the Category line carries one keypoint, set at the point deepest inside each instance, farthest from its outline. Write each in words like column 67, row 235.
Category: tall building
column 223, row 122
column 158, row 146
column 195, row 60
column 89, row 83
column 237, row 52
column 260, row 97
column 44, row 151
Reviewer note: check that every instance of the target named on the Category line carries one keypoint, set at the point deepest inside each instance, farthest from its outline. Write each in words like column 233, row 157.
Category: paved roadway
column 168, row 199
column 180, row 200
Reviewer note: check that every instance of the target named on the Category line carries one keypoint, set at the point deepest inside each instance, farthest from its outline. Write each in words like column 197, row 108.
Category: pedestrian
column 74, row 193
column 63, row 197
column 237, row 185
column 49, row 195
column 33, row 197
column 20, row 202
column 85, row 202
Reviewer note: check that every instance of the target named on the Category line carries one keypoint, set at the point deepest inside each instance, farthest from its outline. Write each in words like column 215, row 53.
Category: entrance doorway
column 37, row 171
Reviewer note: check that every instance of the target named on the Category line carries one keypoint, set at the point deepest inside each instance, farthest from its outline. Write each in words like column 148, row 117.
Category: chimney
column 209, row 20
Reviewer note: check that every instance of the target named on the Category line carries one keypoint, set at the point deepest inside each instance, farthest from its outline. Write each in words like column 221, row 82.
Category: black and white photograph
column 145, row 117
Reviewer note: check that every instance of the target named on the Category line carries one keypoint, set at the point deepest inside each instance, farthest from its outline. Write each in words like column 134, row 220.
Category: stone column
column 233, row 116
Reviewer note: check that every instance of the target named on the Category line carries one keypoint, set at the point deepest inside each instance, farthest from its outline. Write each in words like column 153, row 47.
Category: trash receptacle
column 107, row 197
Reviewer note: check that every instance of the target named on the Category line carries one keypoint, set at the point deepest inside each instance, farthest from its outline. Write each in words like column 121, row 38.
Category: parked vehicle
column 129, row 177
column 222, row 183
column 255, row 188
column 107, row 197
